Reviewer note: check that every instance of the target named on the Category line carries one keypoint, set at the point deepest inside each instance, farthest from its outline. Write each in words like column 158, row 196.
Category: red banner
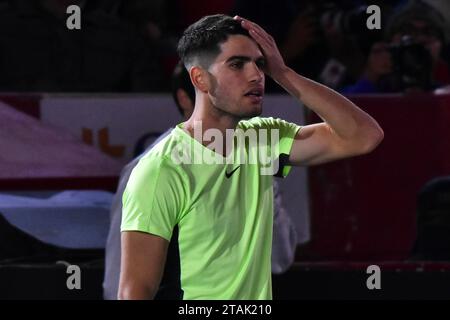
column 365, row 207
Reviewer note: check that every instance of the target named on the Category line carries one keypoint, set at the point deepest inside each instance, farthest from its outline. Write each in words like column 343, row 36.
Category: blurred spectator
column 39, row 53
column 443, row 7
column 378, row 65
column 151, row 19
column 417, row 31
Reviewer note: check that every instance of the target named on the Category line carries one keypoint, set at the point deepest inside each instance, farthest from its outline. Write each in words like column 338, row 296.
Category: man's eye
column 236, row 65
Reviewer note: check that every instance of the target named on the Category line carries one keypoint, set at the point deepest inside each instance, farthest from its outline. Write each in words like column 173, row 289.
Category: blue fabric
column 363, row 85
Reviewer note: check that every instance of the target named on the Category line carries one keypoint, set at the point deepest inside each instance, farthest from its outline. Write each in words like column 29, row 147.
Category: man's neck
column 210, row 118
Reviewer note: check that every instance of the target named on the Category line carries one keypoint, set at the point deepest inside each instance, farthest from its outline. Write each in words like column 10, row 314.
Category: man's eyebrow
column 241, row 58
column 244, row 58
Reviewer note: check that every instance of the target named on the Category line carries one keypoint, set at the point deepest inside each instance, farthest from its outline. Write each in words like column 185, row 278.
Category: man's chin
column 255, row 112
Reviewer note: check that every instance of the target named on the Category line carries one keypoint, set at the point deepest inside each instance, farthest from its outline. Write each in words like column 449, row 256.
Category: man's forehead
column 239, row 45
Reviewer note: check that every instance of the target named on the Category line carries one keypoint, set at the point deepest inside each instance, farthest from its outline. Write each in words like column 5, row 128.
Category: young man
column 222, row 210
column 284, row 233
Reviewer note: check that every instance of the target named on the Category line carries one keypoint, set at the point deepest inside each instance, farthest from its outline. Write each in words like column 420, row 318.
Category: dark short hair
column 202, row 39
column 181, row 80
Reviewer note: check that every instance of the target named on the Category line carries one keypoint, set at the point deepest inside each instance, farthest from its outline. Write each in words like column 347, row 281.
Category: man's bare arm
column 346, row 131
column 142, row 265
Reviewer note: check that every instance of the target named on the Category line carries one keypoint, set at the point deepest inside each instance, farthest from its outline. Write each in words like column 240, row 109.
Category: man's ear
column 199, row 78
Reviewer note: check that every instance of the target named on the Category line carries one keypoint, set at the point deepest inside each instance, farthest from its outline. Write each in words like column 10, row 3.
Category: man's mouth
column 255, row 93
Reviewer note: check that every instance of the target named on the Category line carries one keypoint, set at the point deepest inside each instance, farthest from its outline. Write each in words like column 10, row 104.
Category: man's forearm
column 135, row 292
column 343, row 117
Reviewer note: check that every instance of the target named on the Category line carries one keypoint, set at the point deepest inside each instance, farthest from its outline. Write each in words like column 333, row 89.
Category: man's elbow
column 372, row 140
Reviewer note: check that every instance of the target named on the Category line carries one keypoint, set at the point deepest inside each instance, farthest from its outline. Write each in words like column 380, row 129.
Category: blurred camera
column 412, row 65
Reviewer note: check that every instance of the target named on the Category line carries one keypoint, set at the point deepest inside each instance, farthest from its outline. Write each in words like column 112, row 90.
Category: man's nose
column 255, row 73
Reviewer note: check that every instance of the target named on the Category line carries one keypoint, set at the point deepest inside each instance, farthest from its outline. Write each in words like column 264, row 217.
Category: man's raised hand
column 275, row 65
